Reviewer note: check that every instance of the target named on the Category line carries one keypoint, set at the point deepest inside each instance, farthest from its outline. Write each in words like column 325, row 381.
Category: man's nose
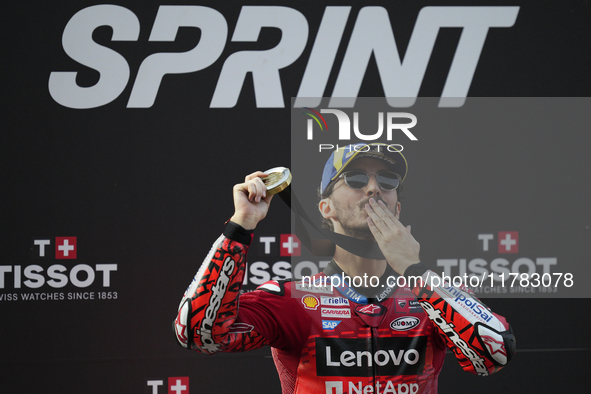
column 372, row 188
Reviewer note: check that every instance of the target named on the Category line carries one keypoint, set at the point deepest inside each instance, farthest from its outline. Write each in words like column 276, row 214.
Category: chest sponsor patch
column 404, row 323
column 310, row 302
column 334, row 301
column 390, row 356
column 330, row 325
column 314, row 287
column 407, row 305
column 335, row 312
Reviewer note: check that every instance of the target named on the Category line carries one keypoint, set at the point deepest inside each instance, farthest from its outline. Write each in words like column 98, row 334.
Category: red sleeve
column 481, row 340
column 208, row 320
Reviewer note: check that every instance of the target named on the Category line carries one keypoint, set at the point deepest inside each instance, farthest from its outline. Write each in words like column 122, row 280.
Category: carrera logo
column 336, row 312
column 353, row 357
column 372, row 37
column 404, row 323
column 310, row 302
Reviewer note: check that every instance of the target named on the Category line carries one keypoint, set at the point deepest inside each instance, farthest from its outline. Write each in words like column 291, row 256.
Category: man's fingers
column 385, row 214
column 256, row 174
column 372, row 227
column 376, row 220
column 395, row 221
column 254, row 187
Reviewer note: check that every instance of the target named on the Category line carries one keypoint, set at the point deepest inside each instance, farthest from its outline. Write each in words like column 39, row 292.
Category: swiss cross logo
column 179, row 385
column 65, row 247
column 508, row 241
column 290, row 245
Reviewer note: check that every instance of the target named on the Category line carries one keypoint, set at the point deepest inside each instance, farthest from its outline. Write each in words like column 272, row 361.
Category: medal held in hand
column 278, row 180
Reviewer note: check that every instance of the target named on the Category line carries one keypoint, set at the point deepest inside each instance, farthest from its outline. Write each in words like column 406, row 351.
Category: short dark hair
column 327, row 223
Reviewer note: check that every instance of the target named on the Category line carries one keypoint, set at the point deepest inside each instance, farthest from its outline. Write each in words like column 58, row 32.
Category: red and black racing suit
column 336, row 340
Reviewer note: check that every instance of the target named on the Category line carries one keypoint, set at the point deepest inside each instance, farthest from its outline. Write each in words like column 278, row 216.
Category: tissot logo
column 176, row 385
column 372, row 37
column 352, row 357
column 59, row 274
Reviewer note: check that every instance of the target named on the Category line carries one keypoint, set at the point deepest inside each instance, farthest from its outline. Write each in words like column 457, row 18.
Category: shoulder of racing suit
column 482, row 341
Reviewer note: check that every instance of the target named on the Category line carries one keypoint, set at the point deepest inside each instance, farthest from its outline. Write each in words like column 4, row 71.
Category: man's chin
column 362, row 233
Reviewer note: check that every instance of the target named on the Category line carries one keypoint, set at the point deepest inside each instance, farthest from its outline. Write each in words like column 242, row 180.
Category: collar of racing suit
column 367, row 294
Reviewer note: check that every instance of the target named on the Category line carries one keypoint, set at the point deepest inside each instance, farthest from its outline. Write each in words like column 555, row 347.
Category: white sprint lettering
column 372, row 36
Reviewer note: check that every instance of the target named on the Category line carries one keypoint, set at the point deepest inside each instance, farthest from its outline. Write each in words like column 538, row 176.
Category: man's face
column 346, row 206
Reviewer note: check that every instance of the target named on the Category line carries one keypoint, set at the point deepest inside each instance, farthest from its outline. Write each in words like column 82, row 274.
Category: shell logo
column 310, row 302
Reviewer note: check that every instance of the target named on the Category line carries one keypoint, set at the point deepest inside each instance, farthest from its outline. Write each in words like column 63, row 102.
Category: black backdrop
column 145, row 191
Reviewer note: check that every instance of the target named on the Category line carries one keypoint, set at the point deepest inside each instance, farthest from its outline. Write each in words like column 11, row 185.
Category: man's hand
column 251, row 202
column 395, row 241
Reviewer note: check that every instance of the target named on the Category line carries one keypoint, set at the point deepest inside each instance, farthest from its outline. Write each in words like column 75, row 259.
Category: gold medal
column 279, row 178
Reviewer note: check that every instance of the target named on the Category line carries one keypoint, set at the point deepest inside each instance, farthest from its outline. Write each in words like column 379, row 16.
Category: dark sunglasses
column 358, row 179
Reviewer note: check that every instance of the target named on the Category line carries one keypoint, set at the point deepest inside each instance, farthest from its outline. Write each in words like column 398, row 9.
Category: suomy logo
column 404, row 323
column 371, row 37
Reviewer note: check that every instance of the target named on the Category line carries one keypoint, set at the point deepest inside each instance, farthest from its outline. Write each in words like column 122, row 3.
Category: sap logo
column 372, row 37
column 176, row 385
column 330, row 324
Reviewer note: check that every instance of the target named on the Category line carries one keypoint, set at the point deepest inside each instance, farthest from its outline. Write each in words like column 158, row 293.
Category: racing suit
column 334, row 339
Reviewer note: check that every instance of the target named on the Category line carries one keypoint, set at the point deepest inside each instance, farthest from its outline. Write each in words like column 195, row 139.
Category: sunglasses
column 358, row 179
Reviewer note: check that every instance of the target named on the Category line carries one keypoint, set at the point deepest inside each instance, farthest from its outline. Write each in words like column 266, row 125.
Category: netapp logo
column 372, row 36
column 352, row 357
